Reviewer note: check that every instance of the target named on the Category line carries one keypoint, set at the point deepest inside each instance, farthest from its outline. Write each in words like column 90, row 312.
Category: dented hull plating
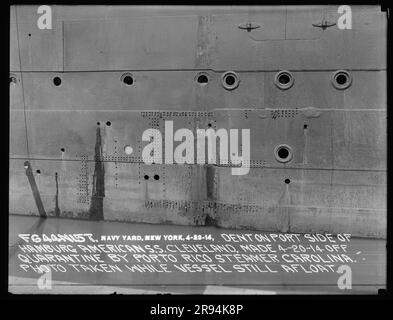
column 72, row 113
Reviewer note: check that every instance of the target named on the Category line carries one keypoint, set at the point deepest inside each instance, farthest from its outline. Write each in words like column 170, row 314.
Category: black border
column 142, row 304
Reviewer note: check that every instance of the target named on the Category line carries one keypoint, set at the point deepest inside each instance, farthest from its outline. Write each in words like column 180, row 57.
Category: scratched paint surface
column 74, row 134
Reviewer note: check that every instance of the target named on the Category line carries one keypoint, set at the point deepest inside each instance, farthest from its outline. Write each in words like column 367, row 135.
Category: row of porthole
column 56, row 80
column 284, row 79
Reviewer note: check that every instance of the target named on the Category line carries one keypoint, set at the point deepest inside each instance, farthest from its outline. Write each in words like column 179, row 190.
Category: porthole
column 283, row 153
column 230, row 80
column 13, row 79
column 341, row 79
column 127, row 79
column 284, row 80
column 57, row 81
column 202, row 78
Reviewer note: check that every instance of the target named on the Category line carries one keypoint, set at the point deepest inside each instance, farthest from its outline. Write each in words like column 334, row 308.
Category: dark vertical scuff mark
column 34, row 189
column 211, row 194
column 305, row 133
column 287, row 210
column 332, row 150
column 57, row 209
column 210, row 173
column 98, row 194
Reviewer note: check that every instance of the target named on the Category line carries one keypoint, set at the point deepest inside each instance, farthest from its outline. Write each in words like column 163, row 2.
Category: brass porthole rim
column 234, row 85
column 341, row 86
column 127, row 74
column 13, row 76
column 202, row 73
column 283, row 146
column 283, row 86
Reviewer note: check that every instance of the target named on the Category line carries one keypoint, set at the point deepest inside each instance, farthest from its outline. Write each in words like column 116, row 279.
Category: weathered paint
column 338, row 171
column 98, row 193
column 57, row 209
column 34, row 189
